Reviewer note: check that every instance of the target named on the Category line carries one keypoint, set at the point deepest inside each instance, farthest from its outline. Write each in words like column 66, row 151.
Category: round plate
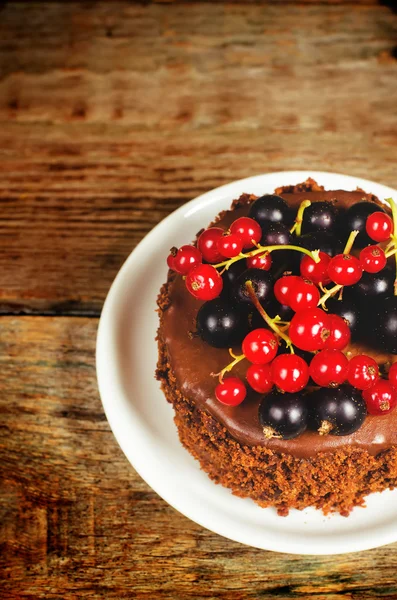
column 142, row 420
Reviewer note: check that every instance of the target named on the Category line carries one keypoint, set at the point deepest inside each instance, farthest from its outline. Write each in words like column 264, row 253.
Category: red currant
column 328, row 368
column 345, row 269
column 207, row 243
column 379, row 226
column 309, row 329
column 303, row 294
column 260, row 346
column 170, row 261
column 290, row 373
column 283, row 287
column 204, row 282
column 259, row 378
column 231, row 391
column 381, row 398
column 260, row 261
column 363, row 372
column 393, row 375
column 186, row 258
column 373, row 259
column 230, row 245
column 316, row 272
column 339, row 336
column 248, row 230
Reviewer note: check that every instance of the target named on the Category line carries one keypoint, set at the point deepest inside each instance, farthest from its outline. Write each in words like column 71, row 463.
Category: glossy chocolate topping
column 192, row 361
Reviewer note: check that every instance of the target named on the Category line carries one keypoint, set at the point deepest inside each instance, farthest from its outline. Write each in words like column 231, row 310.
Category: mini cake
column 277, row 343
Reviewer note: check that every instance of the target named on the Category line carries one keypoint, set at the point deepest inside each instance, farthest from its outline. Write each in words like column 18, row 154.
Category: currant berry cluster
column 240, row 276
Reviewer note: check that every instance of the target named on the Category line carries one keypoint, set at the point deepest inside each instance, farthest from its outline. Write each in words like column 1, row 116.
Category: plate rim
column 107, row 320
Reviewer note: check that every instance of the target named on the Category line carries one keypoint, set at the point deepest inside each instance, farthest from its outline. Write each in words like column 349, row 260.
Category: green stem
column 229, row 367
column 297, row 226
column 394, row 217
column 261, row 249
column 265, row 316
column 350, row 241
column 329, row 294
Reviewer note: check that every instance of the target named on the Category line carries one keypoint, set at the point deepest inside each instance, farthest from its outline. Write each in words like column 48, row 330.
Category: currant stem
column 229, row 367
column 350, row 241
column 265, row 316
column 394, row 216
column 329, row 293
column 228, row 263
column 297, row 226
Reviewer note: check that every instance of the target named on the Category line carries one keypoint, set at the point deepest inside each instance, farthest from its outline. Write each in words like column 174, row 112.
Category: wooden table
column 113, row 115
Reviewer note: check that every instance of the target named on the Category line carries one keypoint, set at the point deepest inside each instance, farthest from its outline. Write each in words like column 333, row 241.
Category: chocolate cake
column 330, row 472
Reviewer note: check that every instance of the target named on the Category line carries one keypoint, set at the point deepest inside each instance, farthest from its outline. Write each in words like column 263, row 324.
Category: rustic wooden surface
column 112, row 115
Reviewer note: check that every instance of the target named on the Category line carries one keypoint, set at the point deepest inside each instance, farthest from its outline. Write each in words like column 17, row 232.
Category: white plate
column 142, row 420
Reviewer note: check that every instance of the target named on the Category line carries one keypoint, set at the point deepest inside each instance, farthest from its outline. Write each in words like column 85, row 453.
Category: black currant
column 350, row 311
column 372, row 286
column 355, row 218
column 232, row 273
column 283, row 415
column 277, row 234
column 385, row 326
column 320, row 240
column 222, row 325
column 319, row 216
column 271, row 209
column 338, row 411
column 262, row 282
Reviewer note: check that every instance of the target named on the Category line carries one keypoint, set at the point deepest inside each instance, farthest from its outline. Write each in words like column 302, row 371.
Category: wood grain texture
column 76, row 521
column 114, row 114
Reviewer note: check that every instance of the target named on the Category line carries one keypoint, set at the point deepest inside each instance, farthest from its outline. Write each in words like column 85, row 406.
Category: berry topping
column 350, row 313
column 170, row 261
column 373, row 286
column 385, row 334
column 320, row 216
column 262, row 284
column 204, row 282
column 186, row 258
column 259, row 378
column 260, row 346
column 321, row 240
column 316, row 272
column 247, row 230
column 207, row 243
column 363, row 372
column 283, row 416
column 393, row 375
column 338, row 411
column 345, row 269
column 221, row 325
column 329, row 368
column 381, row 398
column 283, row 287
column 260, row 261
column 339, row 336
column 271, row 209
column 372, row 259
column 309, row 329
column 355, row 219
column 290, row 373
column 379, row 226
column 276, row 234
column 230, row 245
column 231, row 391
column 303, row 294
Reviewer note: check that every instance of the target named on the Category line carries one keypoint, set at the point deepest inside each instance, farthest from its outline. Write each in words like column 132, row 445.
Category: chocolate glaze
column 192, row 361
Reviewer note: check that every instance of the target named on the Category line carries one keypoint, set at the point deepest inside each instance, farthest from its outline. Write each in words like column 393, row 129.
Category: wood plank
column 76, row 521
column 112, row 115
